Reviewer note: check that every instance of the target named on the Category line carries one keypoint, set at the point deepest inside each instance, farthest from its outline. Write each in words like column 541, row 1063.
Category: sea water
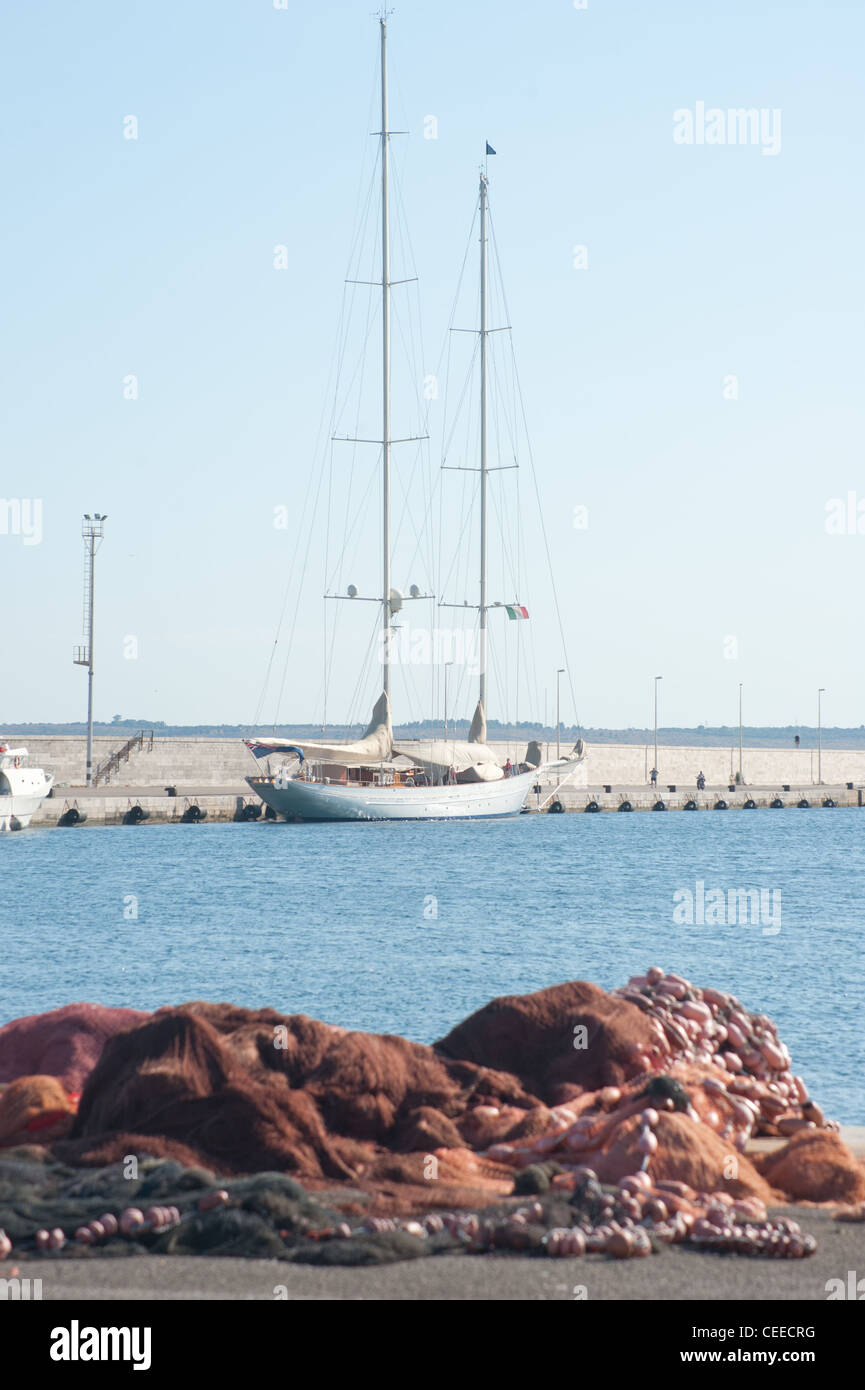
column 407, row 927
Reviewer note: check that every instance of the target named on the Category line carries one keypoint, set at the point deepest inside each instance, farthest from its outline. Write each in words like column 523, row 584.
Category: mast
column 483, row 331
column 385, row 367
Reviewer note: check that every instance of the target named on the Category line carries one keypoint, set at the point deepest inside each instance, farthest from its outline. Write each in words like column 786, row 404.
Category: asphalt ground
column 677, row 1274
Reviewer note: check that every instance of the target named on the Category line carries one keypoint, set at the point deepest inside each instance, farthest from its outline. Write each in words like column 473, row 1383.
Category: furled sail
column 478, row 730
column 534, row 756
column 375, row 746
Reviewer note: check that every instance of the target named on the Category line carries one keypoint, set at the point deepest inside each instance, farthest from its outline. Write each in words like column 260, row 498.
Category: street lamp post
column 741, row 779
column 92, row 530
column 820, row 693
column 657, row 678
column 560, row 672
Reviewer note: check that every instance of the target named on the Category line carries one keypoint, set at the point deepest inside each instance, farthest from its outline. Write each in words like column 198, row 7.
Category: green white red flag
column 516, row 610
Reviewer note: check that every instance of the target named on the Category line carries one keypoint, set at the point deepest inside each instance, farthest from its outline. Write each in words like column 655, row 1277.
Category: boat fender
column 625, row 806
column 556, row 808
column 750, row 804
column 721, row 805
column 690, row 805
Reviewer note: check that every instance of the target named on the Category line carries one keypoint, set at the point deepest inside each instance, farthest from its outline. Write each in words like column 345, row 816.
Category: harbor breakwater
column 226, row 762
column 168, row 779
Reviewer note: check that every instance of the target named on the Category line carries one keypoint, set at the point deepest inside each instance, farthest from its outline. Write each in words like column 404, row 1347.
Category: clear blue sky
column 154, row 257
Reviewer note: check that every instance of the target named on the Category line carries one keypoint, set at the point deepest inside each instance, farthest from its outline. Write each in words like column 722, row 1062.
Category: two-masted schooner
column 377, row 777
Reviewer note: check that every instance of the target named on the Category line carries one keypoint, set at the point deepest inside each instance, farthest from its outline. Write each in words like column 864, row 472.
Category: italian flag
column 516, row 610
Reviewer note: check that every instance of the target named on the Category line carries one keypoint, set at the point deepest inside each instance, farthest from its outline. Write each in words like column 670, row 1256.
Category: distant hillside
column 702, row 737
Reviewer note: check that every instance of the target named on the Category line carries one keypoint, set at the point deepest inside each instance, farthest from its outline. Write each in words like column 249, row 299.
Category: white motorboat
column 22, row 789
column 377, row 777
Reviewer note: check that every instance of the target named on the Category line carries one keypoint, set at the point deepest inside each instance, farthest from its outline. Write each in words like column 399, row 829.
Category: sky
column 692, row 377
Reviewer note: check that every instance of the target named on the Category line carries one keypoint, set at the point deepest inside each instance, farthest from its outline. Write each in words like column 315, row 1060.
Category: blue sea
column 406, row 928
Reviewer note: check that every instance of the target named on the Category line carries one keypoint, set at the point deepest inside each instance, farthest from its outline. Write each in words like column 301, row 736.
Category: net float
column 211, row 1200
column 647, row 1143
column 131, row 1220
column 619, row 1244
column 791, row 1124
column 700, row 1013
column 714, row 1085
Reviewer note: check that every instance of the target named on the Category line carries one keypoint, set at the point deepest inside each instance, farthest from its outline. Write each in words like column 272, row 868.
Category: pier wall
column 226, row 762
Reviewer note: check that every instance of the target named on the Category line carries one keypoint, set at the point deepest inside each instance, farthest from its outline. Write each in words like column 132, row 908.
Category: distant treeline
column 704, row 736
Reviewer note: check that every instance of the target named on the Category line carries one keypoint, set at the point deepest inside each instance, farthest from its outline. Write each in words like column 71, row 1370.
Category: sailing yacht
column 377, row 777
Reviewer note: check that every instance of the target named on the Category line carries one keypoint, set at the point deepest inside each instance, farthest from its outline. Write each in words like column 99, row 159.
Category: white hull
column 298, row 800
column 15, row 811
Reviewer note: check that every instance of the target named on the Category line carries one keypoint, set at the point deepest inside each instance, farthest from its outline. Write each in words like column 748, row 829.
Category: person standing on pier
column 654, row 776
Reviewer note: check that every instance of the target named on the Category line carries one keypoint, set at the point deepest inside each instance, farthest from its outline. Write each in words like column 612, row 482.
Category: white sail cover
column 375, row 746
column 440, row 755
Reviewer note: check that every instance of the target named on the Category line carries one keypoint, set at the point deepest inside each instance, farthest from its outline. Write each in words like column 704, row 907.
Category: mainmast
column 385, row 367
column 483, row 331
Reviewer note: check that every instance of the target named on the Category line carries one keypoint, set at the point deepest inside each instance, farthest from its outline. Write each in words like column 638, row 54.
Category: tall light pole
column 560, row 672
column 447, row 664
column 740, row 732
column 657, row 678
column 91, row 531
column 820, row 693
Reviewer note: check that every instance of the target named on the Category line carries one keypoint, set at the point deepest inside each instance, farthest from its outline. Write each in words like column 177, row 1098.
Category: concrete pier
column 210, row 773
column 639, row 797
column 215, row 762
column 117, row 805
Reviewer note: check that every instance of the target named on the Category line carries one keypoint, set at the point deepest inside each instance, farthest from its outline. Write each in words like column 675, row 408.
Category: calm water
column 339, row 922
